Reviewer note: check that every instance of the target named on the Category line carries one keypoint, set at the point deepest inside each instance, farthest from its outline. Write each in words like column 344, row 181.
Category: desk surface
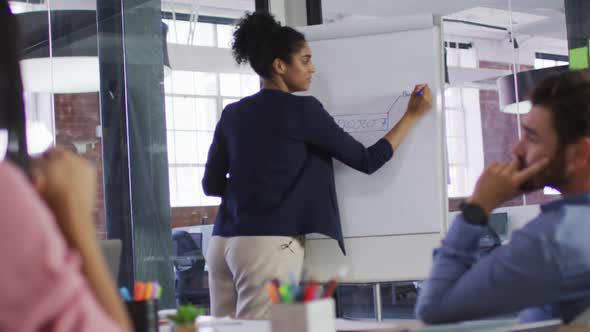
column 229, row 325
column 264, row 326
column 574, row 329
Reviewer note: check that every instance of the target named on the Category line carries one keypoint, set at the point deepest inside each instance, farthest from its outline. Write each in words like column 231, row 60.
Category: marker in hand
column 420, row 93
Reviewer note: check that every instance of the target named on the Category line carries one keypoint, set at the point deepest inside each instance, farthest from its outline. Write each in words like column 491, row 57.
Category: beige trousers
column 241, row 266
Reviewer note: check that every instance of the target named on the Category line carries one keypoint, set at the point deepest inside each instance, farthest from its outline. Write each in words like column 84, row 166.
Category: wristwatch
column 474, row 214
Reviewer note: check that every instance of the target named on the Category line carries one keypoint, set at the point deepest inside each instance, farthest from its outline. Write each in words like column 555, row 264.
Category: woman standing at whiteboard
column 271, row 163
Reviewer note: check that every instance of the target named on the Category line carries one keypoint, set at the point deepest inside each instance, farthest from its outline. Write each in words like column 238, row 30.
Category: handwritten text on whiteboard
column 363, row 122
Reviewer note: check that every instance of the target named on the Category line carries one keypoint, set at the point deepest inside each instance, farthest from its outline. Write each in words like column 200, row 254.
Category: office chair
column 189, row 266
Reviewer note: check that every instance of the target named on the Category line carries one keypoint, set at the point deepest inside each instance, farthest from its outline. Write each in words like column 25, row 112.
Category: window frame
column 470, row 163
column 175, row 199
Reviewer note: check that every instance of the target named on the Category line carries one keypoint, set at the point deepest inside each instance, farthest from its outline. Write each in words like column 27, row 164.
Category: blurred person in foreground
column 54, row 276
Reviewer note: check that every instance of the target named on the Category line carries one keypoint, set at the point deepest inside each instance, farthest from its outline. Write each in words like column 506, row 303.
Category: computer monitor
column 198, row 238
column 499, row 223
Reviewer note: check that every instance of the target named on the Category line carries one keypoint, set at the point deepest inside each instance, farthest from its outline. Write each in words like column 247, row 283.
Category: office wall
column 193, row 215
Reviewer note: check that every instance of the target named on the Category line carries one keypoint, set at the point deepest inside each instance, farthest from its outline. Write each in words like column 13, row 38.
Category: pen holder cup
column 314, row 316
column 144, row 315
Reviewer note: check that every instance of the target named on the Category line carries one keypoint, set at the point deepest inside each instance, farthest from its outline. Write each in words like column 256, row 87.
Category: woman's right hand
column 420, row 105
column 67, row 182
column 417, row 107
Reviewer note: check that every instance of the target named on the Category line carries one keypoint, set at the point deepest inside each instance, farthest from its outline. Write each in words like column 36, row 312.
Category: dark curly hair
column 259, row 39
column 567, row 97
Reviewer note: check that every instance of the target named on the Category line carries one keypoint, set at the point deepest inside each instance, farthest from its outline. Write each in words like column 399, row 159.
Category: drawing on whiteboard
column 362, row 122
column 368, row 122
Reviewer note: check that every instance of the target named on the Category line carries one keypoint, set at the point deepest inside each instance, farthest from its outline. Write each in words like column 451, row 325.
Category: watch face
column 474, row 214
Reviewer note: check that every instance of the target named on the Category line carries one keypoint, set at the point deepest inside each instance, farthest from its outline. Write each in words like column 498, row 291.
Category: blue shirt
column 544, row 270
column 271, row 163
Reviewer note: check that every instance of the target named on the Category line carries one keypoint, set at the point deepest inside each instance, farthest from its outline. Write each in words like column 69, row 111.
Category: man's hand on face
column 502, row 181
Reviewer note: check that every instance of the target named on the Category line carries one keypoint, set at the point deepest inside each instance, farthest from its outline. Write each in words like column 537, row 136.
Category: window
column 189, row 32
column 460, row 55
column 194, row 101
column 545, row 60
column 463, row 127
column 465, row 158
column 3, row 143
column 224, row 35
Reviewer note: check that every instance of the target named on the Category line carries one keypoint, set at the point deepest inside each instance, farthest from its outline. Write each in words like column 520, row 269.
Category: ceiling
column 388, row 8
column 221, row 8
column 533, row 18
column 538, row 24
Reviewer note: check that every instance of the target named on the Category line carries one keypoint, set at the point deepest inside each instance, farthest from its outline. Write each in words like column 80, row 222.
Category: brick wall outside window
column 76, row 119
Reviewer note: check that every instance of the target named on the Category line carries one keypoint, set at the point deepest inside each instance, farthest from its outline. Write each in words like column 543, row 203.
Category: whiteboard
column 364, row 72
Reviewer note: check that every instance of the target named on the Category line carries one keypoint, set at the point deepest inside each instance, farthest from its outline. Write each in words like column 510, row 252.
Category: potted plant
column 185, row 318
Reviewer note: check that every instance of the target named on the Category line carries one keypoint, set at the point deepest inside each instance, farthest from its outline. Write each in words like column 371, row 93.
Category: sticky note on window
column 579, row 58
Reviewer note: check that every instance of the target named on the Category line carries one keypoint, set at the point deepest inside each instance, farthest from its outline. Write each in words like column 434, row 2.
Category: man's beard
column 554, row 175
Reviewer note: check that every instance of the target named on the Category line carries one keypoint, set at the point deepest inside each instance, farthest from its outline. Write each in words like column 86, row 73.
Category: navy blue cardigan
column 271, row 163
